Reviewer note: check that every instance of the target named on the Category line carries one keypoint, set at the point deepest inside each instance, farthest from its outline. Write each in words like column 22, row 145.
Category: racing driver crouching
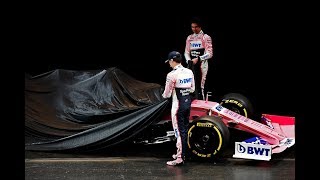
column 179, row 84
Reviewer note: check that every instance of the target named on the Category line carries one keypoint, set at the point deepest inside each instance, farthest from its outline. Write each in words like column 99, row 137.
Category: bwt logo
column 219, row 108
column 253, row 150
column 196, row 45
column 182, row 81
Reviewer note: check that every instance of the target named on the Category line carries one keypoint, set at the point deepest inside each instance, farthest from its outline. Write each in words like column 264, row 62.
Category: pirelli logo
column 204, row 124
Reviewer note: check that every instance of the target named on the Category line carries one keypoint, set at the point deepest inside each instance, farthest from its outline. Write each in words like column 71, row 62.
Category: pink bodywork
column 278, row 134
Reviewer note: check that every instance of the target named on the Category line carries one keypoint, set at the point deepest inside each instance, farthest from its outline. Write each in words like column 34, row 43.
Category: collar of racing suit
column 177, row 66
column 201, row 32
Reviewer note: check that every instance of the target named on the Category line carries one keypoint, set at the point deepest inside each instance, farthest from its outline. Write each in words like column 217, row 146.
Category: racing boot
column 177, row 162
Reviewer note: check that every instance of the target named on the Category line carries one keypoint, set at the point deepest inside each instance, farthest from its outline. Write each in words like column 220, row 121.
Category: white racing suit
column 179, row 85
column 199, row 46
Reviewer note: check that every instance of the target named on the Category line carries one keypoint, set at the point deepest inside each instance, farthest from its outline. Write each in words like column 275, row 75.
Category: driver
column 179, row 85
column 198, row 50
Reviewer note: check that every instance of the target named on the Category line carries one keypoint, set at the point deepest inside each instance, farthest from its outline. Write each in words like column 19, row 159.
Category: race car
column 209, row 134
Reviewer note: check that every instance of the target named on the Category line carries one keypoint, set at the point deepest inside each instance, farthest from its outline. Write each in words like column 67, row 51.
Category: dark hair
column 178, row 59
column 196, row 20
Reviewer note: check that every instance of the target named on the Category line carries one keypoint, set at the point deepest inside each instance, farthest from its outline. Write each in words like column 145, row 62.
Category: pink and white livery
column 274, row 134
column 210, row 123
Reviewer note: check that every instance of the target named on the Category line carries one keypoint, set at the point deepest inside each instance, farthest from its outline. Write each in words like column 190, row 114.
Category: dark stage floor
column 149, row 162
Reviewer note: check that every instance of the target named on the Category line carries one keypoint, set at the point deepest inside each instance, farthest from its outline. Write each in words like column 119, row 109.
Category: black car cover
column 87, row 110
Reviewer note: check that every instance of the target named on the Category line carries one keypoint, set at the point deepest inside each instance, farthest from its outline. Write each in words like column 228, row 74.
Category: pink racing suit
column 199, row 45
column 179, row 85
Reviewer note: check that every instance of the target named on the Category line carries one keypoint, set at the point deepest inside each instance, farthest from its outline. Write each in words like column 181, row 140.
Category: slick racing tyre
column 207, row 136
column 237, row 103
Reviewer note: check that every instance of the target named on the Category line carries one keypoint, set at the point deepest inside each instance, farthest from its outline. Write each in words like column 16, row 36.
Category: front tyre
column 207, row 136
column 237, row 103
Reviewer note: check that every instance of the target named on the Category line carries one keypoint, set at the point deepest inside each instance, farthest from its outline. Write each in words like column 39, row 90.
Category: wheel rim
column 205, row 141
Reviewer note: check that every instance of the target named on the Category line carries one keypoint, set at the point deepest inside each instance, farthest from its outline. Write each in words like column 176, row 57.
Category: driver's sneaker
column 174, row 156
column 176, row 162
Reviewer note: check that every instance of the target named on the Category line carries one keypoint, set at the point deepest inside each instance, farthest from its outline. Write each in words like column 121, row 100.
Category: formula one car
column 209, row 134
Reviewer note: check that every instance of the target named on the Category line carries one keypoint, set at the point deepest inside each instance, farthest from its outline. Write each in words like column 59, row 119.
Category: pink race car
column 209, row 134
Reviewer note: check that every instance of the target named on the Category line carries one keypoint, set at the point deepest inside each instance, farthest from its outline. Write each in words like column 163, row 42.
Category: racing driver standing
column 179, row 84
column 198, row 50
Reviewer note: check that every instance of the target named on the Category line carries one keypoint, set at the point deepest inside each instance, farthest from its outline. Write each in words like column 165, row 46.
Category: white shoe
column 174, row 156
column 177, row 162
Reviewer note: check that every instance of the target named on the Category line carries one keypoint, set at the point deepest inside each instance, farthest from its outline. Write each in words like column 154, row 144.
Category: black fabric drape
column 67, row 109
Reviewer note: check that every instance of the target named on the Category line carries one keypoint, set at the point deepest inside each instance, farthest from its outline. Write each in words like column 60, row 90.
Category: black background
column 254, row 48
